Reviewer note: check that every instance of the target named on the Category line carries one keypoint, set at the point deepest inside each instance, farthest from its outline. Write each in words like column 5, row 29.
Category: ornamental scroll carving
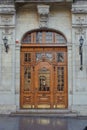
column 43, row 11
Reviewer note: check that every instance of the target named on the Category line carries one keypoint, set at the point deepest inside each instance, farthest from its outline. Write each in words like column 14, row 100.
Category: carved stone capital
column 43, row 11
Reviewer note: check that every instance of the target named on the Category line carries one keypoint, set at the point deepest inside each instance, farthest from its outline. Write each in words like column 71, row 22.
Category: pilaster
column 70, row 77
column 17, row 85
column 79, row 29
column 7, row 59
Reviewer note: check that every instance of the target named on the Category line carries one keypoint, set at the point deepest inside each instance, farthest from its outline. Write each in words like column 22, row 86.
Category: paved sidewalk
column 42, row 123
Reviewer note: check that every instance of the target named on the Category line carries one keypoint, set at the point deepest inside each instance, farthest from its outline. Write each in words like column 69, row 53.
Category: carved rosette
column 43, row 11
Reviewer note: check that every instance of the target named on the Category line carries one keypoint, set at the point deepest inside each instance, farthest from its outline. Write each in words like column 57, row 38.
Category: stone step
column 45, row 113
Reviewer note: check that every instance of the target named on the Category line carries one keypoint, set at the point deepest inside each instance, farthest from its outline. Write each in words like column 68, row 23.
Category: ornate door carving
column 43, row 85
column 26, row 80
column 43, row 77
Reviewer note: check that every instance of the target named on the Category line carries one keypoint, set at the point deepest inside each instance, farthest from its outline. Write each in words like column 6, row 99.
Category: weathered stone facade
column 15, row 21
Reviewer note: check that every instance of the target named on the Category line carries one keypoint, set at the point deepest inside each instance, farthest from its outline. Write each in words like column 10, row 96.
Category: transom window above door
column 41, row 37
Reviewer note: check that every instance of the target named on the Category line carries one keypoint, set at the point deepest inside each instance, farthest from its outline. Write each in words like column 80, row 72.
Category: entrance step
column 45, row 113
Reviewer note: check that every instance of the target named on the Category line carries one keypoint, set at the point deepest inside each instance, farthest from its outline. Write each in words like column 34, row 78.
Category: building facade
column 43, row 53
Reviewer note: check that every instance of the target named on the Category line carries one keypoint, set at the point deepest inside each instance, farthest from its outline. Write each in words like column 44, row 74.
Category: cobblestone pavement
column 42, row 123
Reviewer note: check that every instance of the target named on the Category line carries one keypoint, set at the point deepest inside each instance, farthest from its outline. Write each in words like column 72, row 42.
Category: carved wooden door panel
column 43, row 85
column 44, row 77
column 26, row 80
column 61, row 89
column 60, row 92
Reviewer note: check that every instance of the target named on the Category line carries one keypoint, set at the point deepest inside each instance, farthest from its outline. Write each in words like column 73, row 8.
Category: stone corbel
column 43, row 11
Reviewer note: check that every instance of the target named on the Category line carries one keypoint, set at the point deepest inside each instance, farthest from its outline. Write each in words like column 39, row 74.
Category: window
column 47, row 37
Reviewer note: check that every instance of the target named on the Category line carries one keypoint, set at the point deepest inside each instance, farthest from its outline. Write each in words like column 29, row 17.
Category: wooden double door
column 43, row 77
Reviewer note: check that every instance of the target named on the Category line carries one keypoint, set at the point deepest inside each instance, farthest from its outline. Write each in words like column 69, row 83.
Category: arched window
column 41, row 36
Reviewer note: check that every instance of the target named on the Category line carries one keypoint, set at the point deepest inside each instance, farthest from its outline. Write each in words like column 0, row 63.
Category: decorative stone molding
column 43, row 11
column 7, row 20
column 6, row 1
column 79, row 19
column 79, row 8
column 7, row 9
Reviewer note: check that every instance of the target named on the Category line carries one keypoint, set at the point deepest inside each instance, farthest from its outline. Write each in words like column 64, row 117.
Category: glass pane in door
column 27, row 78
column 60, row 77
column 44, row 79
